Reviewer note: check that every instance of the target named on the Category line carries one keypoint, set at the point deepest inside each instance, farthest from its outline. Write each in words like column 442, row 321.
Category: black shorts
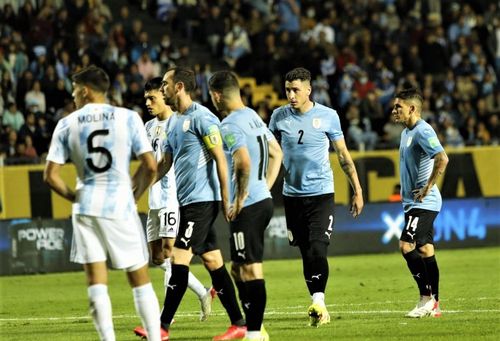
column 309, row 218
column 247, row 232
column 419, row 227
column 196, row 227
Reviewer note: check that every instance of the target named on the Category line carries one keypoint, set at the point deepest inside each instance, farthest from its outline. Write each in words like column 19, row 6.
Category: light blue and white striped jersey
column 164, row 191
column 244, row 128
column 305, row 140
column 417, row 149
column 195, row 169
column 100, row 139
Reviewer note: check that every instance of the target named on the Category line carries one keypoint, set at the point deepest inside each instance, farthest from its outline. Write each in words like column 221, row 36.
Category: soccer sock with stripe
column 433, row 274
column 256, row 298
column 221, row 281
column 176, row 289
column 418, row 270
column 146, row 305
column 101, row 312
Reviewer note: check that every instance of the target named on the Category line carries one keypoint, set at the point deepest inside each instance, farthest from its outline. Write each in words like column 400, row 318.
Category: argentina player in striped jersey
column 163, row 216
column 422, row 161
column 99, row 139
column 254, row 160
column 305, row 130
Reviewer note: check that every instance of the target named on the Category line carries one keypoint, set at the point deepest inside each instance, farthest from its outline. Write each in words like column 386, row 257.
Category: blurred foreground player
column 99, row 139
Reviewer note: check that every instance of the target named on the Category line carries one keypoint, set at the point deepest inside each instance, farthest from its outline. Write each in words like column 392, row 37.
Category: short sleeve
column 233, row 136
column 429, row 142
column 334, row 131
column 59, row 151
column 207, row 126
column 273, row 125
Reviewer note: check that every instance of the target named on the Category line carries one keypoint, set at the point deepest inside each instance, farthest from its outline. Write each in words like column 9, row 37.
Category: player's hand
column 357, row 204
column 420, row 193
column 234, row 210
column 225, row 210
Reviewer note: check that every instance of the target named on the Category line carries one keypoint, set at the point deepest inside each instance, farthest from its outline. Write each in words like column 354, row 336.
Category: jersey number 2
column 301, row 133
column 93, row 149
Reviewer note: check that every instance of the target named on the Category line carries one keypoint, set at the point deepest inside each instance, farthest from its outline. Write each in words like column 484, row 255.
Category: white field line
column 290, row 310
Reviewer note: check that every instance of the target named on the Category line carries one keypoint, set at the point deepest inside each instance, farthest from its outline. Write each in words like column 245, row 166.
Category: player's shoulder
column 281, row 113
column 151, row 123
column 424, row 129
column 201, row 112
column 324, row 110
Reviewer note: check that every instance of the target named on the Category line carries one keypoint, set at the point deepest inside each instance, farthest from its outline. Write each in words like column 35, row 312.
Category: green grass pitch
column 367, row 297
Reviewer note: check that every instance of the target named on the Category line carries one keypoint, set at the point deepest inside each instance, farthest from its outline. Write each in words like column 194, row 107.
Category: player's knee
column 405, row 247
column 426, row 250
column 235, row 271
column 158, row 260
column 318, row 249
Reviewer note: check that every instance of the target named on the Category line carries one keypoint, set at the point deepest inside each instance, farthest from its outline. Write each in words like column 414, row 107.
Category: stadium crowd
column 360, row 51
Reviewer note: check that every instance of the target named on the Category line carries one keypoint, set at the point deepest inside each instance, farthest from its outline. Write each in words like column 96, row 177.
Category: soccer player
column 99, row 139
column 194, row 144
column 304, row 129
column 255, row 159
column 422, row 161
column 163, row 215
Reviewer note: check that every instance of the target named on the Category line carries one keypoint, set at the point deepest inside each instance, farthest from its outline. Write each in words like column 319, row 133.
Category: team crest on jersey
column 290, row 235
column 158, row 131
column 408, row 142
column 316, row 123
column 185, row 125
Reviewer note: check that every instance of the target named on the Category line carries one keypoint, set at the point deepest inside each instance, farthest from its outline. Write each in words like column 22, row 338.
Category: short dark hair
column 186, row 76
column 223, row 80
column 92, row 76
column 410, row 94
column 299, row 73
column 153, row 84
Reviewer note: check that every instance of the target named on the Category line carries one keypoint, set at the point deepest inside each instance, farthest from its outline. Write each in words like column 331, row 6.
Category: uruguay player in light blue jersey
column 163, row 215
column 99, row 139
column 422, row 161
column 305, row 130
column 194, row 145
column 254, row 159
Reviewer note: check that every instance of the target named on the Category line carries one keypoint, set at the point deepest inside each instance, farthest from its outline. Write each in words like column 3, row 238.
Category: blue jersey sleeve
column 234, row 138
column 429, row 142
column 334, row 131
column 206, row 125
column 273, row 125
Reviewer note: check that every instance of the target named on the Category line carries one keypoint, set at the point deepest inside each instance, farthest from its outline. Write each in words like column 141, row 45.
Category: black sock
column 225, row 291
column 177, row 286
column 319, row 274
column 306, row 269
column 417, row 268
column 433, row 274
column 256, row 291
column 242, row 293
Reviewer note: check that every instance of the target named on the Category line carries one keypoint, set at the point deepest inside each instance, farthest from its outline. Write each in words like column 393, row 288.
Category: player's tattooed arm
column 440, row 163
column 349, row 169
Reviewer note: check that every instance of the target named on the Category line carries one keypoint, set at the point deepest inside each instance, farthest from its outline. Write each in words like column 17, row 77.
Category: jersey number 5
column 93, row 149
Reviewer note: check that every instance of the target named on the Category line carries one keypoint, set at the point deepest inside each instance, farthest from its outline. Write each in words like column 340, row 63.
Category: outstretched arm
column 349, row 169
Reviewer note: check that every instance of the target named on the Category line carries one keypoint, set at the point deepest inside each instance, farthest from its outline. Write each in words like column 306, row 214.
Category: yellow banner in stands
column 472, row 172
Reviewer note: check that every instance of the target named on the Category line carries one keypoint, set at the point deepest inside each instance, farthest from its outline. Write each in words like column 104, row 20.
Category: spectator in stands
column 494, row 129
column 391, row 134
column 359, row 134
column 12, row 117
column 236, row 45
column 36, row 97
column 214, row 29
